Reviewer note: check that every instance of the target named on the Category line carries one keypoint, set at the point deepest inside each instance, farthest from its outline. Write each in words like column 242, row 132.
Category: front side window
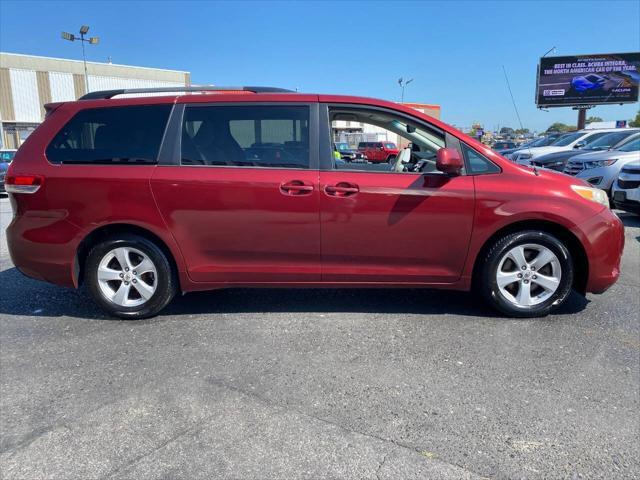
column 402, row 147
column 246, row 136
column 124, row 135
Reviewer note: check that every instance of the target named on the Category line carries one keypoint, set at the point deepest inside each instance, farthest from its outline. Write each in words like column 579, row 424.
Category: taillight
column 23, row 183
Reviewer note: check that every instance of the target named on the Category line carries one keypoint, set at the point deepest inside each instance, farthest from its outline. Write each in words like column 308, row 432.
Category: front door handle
column 342, row 189
column 296, row 187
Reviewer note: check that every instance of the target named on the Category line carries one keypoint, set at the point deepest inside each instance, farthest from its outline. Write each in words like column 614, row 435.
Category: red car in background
column 379, row 152
column 140, row 198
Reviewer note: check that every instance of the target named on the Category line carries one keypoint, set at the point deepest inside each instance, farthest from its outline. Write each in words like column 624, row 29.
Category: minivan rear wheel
column 527, row 274
column 130, row 277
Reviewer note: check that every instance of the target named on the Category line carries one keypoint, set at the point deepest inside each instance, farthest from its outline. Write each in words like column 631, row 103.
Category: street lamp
column 84, row 29
column 403, row 83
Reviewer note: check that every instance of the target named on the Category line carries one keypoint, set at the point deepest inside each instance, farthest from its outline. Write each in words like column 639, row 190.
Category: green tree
column 636, row 121
column 593, row 119
column 522, row 131
column 506, row 131
column 559, row 127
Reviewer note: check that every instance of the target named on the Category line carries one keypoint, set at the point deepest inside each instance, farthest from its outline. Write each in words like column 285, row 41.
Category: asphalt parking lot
column 318, row 384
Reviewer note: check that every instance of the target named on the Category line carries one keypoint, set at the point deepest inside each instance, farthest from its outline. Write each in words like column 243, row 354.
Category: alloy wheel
column 127, row 277
column 528, row 275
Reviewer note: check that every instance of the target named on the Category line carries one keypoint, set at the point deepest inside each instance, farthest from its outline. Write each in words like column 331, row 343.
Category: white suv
column 626, row 190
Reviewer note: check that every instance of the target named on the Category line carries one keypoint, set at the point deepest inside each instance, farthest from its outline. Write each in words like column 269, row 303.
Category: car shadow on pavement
column 27, row 297
column 629, row 219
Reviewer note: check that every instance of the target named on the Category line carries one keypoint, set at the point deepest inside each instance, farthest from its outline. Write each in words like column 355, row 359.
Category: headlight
column 593, row 194
column 599, row 163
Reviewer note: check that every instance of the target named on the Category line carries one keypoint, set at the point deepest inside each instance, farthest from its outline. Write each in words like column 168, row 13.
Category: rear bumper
column 603, row 239
column 43, row 247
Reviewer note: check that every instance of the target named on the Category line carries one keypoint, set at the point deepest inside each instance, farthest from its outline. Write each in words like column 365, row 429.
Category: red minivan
column 141, row 197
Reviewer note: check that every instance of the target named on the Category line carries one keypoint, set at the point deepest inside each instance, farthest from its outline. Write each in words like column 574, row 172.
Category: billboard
column 588, row 80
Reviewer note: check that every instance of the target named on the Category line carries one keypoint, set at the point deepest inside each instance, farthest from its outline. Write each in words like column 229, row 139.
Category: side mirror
column 449, row 161
column 579, row 144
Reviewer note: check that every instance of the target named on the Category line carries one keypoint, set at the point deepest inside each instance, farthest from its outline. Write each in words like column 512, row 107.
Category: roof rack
column 102, row 94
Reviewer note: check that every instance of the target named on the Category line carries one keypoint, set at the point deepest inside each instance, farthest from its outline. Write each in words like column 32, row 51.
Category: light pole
column 403, row 83
column 84, row 29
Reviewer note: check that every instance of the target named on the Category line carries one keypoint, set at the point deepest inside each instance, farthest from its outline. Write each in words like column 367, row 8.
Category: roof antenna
column 535, row 170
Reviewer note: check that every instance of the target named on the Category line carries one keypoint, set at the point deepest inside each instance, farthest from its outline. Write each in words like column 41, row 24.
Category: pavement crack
column 139, row 458
column 266, row 401
column 384, row 459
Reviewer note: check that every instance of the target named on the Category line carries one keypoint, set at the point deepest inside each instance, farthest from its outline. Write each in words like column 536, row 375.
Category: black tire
column 167, row 282
column 391, row 158
column 487, row 282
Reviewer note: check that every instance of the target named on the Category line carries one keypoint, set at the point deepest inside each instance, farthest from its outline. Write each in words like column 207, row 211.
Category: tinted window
column 632, row 146
column 478, row 163
column 565, row 140
column 593, row 138
column 608, row 140
column 111, row 135
column 246, row 136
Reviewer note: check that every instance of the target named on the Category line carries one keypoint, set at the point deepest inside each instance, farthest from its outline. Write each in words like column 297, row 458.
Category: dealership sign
column 588, row 80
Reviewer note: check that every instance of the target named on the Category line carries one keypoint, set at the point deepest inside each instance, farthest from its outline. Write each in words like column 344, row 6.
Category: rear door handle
column 342, row 189
column 295, row 187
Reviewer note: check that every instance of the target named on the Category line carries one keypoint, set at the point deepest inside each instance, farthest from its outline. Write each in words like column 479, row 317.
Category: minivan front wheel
column 130, row 277
column 527, row 274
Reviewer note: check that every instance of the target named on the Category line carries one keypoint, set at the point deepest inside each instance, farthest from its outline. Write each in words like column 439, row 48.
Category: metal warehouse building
column 28, row 82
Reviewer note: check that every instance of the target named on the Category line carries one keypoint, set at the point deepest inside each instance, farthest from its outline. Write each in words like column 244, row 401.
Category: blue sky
column 453, row 50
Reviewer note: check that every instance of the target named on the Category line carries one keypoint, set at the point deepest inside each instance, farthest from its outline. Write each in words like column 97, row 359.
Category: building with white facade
column 28, row 82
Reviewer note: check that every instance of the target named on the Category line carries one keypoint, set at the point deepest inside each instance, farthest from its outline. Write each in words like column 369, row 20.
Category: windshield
column 632, row 146
column 565, row 140
column 606, row 141
column 390, row 146
column 342, row 146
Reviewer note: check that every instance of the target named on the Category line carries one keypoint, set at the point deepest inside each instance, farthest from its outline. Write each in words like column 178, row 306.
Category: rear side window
column 111, row 135
column 246, row 136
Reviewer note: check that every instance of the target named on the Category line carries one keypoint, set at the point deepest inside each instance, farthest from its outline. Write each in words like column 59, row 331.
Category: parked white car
column 601, row 169
column 569, row 141
column 626, row 189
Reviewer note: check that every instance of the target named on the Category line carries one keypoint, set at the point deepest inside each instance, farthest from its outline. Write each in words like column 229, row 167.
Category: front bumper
column 627, row 199
column 603, row 239
column 601, row 177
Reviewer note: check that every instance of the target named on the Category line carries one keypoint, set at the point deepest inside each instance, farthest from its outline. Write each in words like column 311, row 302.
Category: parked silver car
column 567, row 142
column 601, row 169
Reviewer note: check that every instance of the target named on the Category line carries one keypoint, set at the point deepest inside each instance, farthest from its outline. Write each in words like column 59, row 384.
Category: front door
column 411, row 224
column 243, row 203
